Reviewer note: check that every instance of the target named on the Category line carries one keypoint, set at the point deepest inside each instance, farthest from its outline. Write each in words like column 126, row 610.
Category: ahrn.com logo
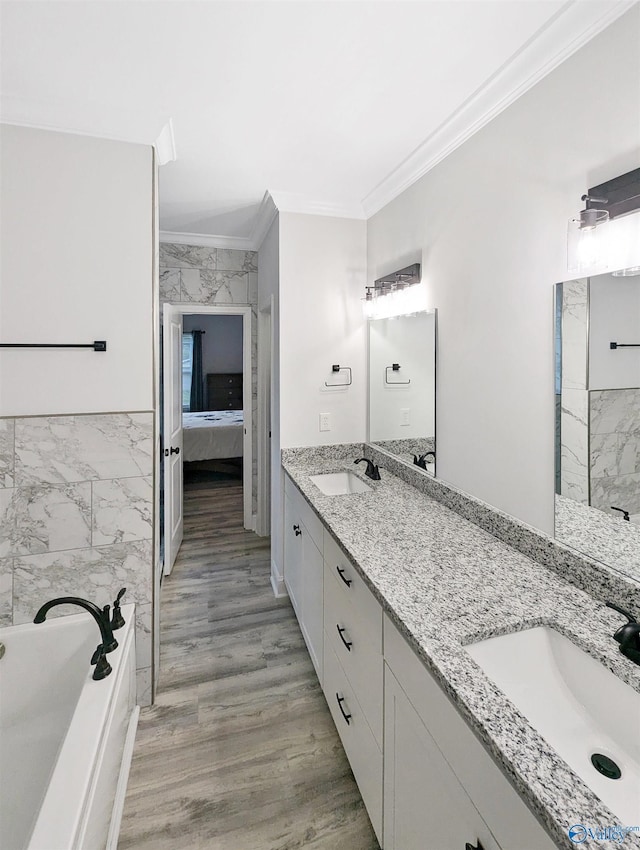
column 579, row 833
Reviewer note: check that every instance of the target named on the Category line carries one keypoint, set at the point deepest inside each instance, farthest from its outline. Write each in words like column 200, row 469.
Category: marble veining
column 172, row 255
column 7, row 436
column 170, row 285
column 122, row 510
column 63, row 449
column 575, row 308
column 51, row 518
column 230, row 259
column 418, row 556
column 95, row 574
column 6, row 591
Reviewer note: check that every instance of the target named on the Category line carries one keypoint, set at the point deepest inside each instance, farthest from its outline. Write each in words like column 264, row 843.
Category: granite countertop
column 446, row 583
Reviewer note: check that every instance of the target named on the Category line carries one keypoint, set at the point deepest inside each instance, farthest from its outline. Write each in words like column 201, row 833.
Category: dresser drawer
column 353, row 588
column 354, row 636
column 224, row 379
column 365, row 757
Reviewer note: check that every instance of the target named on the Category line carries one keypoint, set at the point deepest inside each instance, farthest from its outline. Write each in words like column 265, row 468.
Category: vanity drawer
column 305, row 512
column 355, row 639
column 365, row 757
column 353, row 587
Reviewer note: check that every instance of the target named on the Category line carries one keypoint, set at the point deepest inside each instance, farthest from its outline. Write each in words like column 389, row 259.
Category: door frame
column 244, row 310
column 265, row 407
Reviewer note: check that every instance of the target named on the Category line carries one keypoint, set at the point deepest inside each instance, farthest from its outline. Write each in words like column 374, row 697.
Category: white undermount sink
column 339, row 483
column 578, row 706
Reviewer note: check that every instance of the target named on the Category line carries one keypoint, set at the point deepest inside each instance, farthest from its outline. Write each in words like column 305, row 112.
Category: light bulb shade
column 397, row 302
column 611, row 246
column 586, row 242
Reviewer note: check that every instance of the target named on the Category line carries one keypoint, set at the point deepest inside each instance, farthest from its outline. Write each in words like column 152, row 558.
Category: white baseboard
column 277, row 581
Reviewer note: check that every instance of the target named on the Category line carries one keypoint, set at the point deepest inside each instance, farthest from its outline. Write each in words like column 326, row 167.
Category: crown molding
column 293, row 203
column 575, row 24
column 205, row 240
column 261, row 223
column 91, row 120
column 263, row 220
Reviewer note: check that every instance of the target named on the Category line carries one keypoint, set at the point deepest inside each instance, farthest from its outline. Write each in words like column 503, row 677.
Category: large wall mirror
column 402, row 387
column 597, row 373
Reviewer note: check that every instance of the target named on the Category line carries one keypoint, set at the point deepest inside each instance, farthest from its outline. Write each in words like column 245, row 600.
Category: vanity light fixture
column 396, row 294
column 594, row 241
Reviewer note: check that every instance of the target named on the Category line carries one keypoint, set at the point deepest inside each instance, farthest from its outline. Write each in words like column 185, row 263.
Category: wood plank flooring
column 240, row 751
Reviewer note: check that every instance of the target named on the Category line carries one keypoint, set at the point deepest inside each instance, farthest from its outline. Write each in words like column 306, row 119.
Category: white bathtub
column 65, row 740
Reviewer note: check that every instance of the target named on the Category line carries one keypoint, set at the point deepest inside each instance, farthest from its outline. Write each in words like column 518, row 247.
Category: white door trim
column 265, row 385
column 243, row 310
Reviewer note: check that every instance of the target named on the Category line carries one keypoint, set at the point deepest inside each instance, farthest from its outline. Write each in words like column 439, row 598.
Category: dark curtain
column 197, row 378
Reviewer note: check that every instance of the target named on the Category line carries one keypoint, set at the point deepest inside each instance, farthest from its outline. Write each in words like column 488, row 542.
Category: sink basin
column 576, row 704
column 339, row 483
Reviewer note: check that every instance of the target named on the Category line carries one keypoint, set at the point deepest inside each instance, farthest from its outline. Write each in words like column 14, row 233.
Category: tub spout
column 109, row 643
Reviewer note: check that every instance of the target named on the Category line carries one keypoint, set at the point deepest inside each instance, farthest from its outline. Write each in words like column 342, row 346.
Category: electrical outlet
column 325, row 421
column 404, row 416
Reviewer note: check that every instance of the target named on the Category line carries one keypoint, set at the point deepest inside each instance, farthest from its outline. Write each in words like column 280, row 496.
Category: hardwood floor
column 240, row 751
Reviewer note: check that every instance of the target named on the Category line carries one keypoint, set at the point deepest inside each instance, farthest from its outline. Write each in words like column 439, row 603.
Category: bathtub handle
column 102, row 666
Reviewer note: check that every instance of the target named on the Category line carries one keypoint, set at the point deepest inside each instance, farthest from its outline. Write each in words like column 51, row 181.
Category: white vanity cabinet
column 442, row 790
column 303, row 569
column 353, row 680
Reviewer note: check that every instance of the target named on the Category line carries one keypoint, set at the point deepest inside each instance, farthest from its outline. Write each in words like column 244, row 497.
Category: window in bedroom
column 187, row 367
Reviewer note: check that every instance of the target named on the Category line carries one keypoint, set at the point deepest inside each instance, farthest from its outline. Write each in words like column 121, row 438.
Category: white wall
column 75, row 266
column 322, row 279
column 614, row 316
column 221, row 344
column 410, row 342
column 268, row 288
column 490, row 222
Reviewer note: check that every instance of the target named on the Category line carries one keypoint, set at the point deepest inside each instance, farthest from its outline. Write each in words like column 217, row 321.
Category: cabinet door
column 425, row 807
column 293, row 554
column 312, row 599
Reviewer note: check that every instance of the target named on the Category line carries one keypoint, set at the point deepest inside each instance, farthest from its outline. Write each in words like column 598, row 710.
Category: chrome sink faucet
column 628, row 635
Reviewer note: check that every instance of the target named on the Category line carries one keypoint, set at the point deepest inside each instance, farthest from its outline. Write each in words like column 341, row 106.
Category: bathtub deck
column 240, row 751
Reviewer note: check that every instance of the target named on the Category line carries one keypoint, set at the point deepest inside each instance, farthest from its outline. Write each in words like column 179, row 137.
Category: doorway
column 207, row 424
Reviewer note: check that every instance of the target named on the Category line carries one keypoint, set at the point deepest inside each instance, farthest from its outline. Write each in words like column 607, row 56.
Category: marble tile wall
column 76, row 516
column 191, row 274
column 615, row 449
column 574, row 426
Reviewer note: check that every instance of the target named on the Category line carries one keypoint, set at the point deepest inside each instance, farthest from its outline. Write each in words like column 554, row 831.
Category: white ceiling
column 331, row 106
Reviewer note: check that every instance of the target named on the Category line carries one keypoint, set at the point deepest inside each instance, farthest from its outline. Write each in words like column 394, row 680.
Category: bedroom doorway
column 207, row 422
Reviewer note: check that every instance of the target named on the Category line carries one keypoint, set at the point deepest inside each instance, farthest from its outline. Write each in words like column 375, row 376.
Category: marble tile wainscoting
column 76, row 517
column 614, row 417
column 191, row 274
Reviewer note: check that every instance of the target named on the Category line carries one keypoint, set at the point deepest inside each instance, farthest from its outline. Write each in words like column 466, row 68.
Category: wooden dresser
column 224, row 391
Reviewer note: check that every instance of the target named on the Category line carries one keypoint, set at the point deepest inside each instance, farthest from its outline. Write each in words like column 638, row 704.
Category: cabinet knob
column 477, row 846
column 296, row 528
column 346, row 716
column 341, row 573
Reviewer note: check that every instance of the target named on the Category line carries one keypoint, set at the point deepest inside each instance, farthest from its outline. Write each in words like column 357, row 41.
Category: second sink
column 339, row 483
column 581, row 709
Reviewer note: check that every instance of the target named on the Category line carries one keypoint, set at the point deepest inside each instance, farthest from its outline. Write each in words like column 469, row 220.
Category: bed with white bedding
column 212, row 435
